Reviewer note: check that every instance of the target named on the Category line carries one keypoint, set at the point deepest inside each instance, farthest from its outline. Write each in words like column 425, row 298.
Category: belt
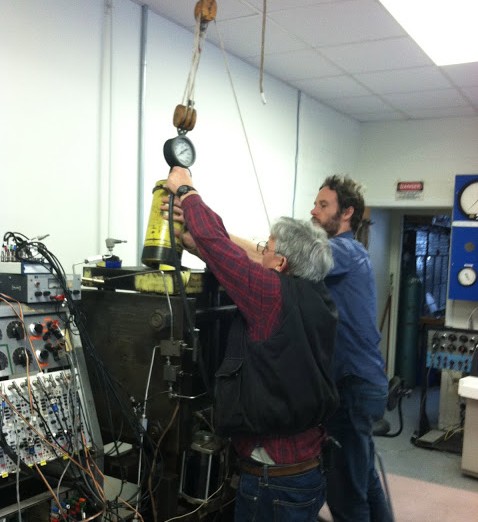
column 278, row 471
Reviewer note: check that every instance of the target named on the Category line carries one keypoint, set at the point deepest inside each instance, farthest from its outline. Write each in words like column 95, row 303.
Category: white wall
column 49, row 152
column 432, row 151
column 328, row 144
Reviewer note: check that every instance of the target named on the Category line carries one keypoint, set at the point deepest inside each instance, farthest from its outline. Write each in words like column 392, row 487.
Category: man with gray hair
column 274, row 388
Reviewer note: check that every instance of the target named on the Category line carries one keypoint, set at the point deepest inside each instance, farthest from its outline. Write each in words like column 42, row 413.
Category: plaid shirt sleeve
column 255, row 290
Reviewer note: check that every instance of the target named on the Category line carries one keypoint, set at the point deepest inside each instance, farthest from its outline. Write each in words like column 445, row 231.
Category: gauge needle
column 472, row 205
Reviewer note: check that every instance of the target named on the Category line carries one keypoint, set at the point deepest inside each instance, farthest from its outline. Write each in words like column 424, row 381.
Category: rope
column 199, row 36
column 242, row 123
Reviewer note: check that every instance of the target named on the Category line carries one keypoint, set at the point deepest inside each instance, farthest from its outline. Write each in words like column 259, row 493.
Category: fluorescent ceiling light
column 445, row 29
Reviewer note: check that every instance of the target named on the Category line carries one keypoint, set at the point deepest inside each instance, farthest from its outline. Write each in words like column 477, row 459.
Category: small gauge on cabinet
column 467, row 276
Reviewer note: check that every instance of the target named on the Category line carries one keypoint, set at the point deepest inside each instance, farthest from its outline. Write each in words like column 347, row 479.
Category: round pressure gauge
column 468, row 200
column 467, row 276
column 179, row 152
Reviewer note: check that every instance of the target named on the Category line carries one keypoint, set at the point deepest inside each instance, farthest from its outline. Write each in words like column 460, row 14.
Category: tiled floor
column 401, row 457
column 425, row 485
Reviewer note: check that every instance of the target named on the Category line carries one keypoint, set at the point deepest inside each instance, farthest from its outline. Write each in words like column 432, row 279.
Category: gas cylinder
column 406, row 360
column 157, row 249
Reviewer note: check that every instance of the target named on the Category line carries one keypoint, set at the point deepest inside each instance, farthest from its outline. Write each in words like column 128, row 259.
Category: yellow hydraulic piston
column 157, row 247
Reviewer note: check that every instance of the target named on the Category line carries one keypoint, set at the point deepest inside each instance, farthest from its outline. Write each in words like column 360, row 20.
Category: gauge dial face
column 179, row 151
column 469, row 200
column 467, row 276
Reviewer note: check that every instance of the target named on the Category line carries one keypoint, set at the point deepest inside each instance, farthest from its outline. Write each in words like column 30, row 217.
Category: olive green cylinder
column 408, row 330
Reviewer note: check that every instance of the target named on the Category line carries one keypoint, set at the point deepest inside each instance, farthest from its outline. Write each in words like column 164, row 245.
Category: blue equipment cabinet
column 463, row 274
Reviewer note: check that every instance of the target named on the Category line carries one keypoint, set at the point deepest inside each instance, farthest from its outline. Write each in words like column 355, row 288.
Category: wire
column 35, row 252
column 168, row 427
column 189, row 513
column 144, row 423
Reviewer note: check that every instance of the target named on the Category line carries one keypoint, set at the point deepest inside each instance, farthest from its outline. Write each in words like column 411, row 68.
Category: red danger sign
column 409, row 186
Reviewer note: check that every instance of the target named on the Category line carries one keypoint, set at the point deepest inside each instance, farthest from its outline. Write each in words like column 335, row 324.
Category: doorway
column 424, row 264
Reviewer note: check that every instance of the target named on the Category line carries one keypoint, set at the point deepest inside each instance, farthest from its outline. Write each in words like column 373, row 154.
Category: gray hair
column 306, row 247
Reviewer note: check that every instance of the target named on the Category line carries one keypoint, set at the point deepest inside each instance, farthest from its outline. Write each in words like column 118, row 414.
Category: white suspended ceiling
column 350, row 55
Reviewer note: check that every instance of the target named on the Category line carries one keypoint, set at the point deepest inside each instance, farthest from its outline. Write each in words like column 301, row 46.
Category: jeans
column 354, row 492
column 293, row 498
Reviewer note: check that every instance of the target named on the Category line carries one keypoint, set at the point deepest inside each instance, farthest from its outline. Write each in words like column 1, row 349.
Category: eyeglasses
column 262, row 247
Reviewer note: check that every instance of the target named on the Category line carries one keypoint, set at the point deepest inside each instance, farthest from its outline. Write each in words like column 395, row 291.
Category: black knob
column 36, row 328
column 21, row 356
column 15, row 330
column 44, row 355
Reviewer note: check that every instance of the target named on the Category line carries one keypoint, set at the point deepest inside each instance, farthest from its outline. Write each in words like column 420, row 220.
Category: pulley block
column 205, row 10
column 184, row 118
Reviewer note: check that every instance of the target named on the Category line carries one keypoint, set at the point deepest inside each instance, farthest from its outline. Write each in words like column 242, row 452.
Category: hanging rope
column 184, row 118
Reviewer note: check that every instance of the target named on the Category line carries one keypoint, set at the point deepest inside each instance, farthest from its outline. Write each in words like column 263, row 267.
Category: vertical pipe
column 296, row 159
column 142, row 83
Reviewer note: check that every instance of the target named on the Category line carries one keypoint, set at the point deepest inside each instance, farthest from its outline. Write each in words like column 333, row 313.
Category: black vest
column 283, row 385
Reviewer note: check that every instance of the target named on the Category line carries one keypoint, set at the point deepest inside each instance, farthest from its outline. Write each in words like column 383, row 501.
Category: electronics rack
column 47, row 412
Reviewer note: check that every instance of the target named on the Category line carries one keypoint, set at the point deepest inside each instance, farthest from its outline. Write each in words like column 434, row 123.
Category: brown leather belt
column 278, row 471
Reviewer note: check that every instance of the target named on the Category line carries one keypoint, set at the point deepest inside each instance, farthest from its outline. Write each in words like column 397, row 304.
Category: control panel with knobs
column 451, row 349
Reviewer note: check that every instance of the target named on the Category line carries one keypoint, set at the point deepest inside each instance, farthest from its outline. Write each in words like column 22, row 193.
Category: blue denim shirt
column 352, row 286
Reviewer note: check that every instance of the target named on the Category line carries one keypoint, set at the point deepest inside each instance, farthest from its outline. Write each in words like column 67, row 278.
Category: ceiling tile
column 395, row 53
column 441, row 112
column 336, row 23
column 404, row 80
column 333, row 87
column 243, row 37
column 426, row 99
column 360, row 105
column 340, row 52
column 296, row 65
column 381, row 116
column 472, row 94
column 278, row 5
column 463, row 75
